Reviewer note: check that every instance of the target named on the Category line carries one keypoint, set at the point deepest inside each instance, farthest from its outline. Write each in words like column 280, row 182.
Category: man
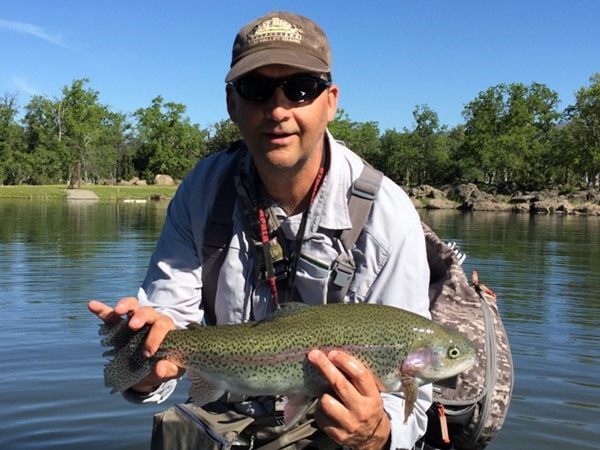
column 280, row 95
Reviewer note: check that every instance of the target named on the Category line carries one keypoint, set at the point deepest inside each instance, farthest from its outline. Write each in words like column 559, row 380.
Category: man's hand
column 354, row 414
column 160, row 325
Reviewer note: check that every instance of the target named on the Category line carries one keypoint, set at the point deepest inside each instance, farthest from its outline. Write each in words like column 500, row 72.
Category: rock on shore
column 468, row 197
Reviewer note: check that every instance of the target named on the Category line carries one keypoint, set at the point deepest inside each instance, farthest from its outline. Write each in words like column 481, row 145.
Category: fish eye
column 453, row 352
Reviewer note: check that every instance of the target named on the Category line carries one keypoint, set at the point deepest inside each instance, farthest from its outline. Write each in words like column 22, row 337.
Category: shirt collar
column 330, row 209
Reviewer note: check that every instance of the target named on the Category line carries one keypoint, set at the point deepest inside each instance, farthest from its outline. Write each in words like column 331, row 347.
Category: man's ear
column 231, row 109
column 332, row 102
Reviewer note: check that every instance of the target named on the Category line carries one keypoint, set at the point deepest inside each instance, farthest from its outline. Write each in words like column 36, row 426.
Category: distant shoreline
column 464, row 197
column 104, row 193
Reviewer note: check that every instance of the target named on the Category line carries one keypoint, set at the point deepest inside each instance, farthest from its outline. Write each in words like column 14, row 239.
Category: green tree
column 83, row 123
column 583, row 131
column 15, row 166
column 452, row 141
column 399, row 158
column 221, row 135
column 432, row 158
column 361, row 137
column 45, row 146
column 112, row 156
column 72, row 131
column 167, row 142
column 509, row 133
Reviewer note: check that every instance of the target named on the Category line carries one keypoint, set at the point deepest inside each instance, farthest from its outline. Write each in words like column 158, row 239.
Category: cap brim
column 284, row 57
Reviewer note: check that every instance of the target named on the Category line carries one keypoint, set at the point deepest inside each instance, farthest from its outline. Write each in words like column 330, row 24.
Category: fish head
column 441, row 356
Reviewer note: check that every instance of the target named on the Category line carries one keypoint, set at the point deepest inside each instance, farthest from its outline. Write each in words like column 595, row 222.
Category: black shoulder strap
column 219, row 229
column 217, row 234
column 364, row 192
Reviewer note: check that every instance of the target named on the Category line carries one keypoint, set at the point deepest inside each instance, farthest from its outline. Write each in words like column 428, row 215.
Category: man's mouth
column 278, row 136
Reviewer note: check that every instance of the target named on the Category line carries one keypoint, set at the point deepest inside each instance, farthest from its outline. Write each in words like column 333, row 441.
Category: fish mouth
column 448, row 371
column 463, row 366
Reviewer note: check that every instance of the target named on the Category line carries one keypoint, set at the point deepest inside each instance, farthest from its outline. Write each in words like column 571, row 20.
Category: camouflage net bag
column 469, row 409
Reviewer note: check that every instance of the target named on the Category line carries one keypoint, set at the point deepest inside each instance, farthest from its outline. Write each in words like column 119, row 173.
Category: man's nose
column 278, row 106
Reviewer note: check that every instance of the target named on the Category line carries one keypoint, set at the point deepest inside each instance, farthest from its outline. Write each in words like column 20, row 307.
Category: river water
column 56, row 256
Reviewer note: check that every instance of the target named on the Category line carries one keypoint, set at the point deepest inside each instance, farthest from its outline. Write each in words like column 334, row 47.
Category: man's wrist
column 386, row 432
column 381, row 439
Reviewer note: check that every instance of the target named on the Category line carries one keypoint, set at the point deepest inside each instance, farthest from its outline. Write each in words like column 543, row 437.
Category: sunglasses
column 299, row 89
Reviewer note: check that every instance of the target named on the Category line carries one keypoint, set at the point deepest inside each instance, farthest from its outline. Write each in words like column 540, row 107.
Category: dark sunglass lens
column 303, row 89
column 256, row 89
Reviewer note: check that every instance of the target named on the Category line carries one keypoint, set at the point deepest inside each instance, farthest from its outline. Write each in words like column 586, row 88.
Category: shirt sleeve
column 173, row 281
column 403, row 282
column 162, row 393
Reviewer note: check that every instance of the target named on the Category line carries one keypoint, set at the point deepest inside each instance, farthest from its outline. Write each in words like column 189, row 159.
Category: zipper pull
column 443, row 423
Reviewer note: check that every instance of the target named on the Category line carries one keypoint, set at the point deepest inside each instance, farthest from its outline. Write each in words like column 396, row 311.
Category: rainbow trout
column 402, row 349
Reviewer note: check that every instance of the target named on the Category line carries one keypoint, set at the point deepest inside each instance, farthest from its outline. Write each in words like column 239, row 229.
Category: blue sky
column 389, row 56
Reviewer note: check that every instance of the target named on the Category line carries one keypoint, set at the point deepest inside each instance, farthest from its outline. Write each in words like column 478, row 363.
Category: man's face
column 282, row 134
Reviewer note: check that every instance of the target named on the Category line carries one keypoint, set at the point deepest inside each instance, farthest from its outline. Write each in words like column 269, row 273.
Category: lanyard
column 295, row 257
column 274, row 263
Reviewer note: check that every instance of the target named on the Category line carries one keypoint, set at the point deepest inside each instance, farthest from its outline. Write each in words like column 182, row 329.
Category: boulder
column 522, row 207
column 551, row 205
column 589, row 209
column 438, row 203
column 587, row 195
column 420, row 191
column 159, row 198
column 164, row 180
column 488, row 205
column 436, row 193
column 416, row 203
column 520, row 199
column 465, row 192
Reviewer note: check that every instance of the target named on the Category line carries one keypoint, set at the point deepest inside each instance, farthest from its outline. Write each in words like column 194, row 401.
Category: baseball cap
column 280, row 37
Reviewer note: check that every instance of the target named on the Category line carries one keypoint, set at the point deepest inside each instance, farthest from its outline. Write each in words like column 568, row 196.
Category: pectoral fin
column 411, row 390
column 295, row 408
column 203, row 391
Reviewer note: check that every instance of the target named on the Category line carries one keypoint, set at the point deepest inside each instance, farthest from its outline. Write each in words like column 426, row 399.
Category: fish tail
column 128, row 366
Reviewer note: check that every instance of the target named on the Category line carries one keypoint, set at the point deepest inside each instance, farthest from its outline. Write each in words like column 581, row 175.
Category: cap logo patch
column 275, row 29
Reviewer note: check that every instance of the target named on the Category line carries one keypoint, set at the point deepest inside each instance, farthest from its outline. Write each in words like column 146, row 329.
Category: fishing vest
column 219, row 231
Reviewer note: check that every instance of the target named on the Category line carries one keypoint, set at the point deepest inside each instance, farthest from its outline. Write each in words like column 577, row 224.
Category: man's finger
column 163, row 371
column 104, row 312
column 361, row 377
column 161, row 325
column 337, row 379
column 126, row 306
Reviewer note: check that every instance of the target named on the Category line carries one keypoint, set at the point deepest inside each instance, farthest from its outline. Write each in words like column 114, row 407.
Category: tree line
column 514, row 136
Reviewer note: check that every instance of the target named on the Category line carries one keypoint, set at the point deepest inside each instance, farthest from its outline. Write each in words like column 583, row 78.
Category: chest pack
column 469, row 409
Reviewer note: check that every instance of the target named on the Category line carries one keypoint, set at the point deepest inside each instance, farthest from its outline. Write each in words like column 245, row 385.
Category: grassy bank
column 106, row 193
